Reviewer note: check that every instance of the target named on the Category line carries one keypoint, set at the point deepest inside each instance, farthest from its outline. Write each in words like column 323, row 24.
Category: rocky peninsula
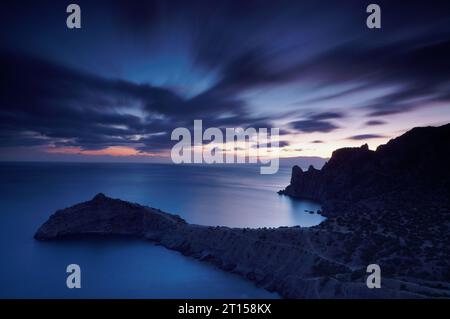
column 390, row 207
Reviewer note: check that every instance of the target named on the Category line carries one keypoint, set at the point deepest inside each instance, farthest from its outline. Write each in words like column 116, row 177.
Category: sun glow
column 111, row 150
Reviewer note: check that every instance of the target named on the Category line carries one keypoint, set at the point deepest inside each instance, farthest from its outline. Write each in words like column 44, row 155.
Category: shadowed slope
column 289, row 260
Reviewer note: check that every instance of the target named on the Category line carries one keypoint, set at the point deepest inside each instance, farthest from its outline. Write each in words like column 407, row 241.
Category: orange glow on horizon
column 111, row 151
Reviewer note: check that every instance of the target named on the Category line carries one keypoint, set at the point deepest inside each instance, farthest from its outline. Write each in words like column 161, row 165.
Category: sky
column 116, row 88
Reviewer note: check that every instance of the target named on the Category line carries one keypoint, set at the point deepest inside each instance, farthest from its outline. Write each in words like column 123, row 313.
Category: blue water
column 122, row 268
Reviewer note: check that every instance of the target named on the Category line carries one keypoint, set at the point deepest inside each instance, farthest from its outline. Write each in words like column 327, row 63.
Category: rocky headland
column 389, row 207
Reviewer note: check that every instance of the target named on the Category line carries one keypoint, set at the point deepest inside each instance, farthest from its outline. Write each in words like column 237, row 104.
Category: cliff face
column 413, row 163
column 395, row 203
column 339, row 178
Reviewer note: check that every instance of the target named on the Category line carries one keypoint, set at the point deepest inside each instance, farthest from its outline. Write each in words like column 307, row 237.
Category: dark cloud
column 252, row 69
column 317, row 122
column 242, row 45
column 415, row 70
column 155, row 143
column 374, row 123
column 281, row 144
column 317, row 142
column 365, row 137
column 15, row 139
column 247, row 59
column 327, row 116
column 65, row 107
column 310, row 126
column 283, row 132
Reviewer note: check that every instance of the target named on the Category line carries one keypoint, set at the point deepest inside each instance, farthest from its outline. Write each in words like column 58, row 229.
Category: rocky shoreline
column 384, row 207
column 288, row 260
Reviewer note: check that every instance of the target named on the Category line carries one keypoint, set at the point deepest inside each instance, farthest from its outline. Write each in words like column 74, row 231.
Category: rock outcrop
column 407, row 166
column 295, row 262
column 395, row 203
column 388, row 207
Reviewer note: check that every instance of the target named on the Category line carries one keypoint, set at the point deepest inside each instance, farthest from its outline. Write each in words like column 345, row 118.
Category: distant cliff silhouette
column 413, row 166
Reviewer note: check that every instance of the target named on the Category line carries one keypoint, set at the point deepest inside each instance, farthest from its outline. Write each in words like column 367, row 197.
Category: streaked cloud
column 365, row 137
column 122, row 87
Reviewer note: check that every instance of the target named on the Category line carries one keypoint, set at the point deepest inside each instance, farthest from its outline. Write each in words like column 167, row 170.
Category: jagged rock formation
column 414, row 163
column 383, row 207
column 395, row 203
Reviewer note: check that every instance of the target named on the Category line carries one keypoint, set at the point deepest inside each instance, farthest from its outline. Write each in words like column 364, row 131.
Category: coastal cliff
column 412, row 167
column 383, row 207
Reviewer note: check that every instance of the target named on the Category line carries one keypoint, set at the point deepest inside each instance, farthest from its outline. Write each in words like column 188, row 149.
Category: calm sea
column 207, row 195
